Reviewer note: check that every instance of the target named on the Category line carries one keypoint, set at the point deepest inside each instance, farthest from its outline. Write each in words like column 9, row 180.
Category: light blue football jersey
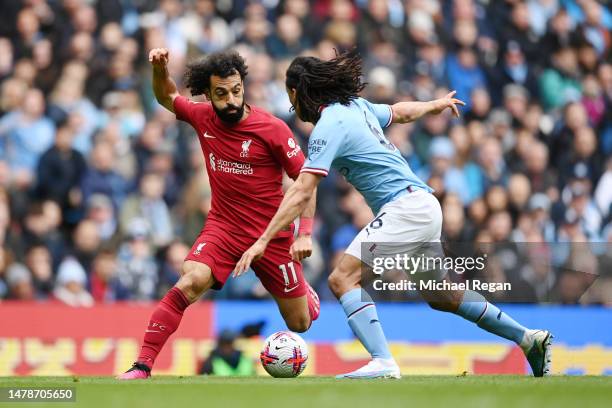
column 350, row 139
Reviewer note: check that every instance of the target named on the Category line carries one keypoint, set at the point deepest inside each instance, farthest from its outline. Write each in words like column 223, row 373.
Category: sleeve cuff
column 390, row 117
column 321, row 172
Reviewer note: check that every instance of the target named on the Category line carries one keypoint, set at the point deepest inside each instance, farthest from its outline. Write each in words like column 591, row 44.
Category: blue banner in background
column 571, row 325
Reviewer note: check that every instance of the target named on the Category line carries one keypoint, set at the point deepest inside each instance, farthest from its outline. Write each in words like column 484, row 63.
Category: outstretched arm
column 404, row 112
column 163, row 86
column 295, row 202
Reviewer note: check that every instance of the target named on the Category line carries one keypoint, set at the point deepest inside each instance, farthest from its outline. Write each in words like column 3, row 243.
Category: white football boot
column 377, row 368
column 537, row 348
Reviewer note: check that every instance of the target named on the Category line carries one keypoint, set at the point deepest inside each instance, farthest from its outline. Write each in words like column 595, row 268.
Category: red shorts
column 221, row 251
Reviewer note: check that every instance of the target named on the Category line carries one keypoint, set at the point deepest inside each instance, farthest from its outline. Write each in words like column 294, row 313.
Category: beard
column 230, row 114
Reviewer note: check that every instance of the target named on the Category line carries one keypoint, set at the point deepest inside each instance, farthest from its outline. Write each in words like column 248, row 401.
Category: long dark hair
column 319, row 83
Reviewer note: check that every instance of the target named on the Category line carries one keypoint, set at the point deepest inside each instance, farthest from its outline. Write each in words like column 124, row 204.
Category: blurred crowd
column 102, row 191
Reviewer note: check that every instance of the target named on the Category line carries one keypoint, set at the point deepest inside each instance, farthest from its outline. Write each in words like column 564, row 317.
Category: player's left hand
column 448, row 102
column 255, row 252
column 301, row 248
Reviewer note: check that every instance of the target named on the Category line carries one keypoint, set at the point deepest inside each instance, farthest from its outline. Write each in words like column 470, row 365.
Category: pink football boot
column 138, row 371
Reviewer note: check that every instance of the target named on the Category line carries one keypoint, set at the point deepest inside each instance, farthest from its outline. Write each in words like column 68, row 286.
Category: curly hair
column 223, row 64
column 318, row 83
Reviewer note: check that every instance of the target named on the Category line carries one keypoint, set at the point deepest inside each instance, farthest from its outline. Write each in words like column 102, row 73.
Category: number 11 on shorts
column 284, row 269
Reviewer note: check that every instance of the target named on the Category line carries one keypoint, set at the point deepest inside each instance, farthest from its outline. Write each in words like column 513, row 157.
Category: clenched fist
column 301, row 248
column 158, row 57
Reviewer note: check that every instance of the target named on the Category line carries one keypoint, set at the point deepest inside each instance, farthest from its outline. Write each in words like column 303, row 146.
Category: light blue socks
column 475, row 308
column 363, row 320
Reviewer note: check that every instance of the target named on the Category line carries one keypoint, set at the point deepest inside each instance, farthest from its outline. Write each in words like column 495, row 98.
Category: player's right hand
column 254, row 253
column 449, row 101
column 158, row 57
column 301, row 248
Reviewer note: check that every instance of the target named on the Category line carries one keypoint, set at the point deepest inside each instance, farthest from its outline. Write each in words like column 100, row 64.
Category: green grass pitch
column 315, row 392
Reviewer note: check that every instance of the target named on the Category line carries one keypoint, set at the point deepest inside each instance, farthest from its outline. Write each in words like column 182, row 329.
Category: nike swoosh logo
column 279, row 348
column 287, row 290
column 206, row 135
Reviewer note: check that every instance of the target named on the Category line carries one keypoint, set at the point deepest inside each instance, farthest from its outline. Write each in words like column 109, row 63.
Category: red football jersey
column 245, row 164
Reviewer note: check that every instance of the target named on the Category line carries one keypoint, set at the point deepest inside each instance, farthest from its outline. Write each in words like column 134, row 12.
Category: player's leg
column 297, row 301
column 298, row 312
column 196, row 278
column 474, row 307
column 362, row 318
column 207, row 265
column 400, row 226
column 405, row 220
column 294, row 312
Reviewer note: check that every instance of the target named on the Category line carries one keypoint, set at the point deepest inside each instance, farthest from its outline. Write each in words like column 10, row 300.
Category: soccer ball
column 284, row 355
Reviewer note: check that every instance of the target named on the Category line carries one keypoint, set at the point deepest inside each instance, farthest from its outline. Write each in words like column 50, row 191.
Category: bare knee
column 442, row 306
column 340, row 283
column 298, row 324
column 295, row 312
column 336, row 285
column 444, row 301
column 346, row 276
column 195, row 279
